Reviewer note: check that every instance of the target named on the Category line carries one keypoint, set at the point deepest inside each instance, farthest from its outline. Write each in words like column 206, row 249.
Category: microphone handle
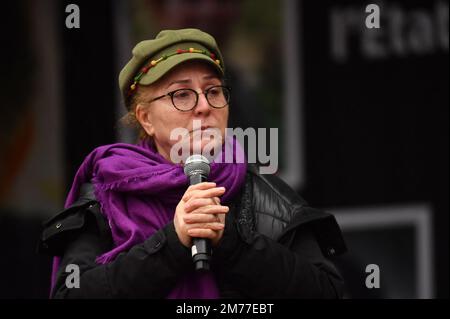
column 197, row 179
column 201, row 247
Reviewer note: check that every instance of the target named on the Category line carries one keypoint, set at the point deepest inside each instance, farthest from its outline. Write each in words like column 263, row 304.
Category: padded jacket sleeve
column 147, row 270
column 260, row 267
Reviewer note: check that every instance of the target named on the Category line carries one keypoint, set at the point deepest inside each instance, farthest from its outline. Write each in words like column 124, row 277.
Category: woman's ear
column 144, row 118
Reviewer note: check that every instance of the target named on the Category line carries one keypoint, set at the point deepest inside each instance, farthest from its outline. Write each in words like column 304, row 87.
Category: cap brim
column 162, row 68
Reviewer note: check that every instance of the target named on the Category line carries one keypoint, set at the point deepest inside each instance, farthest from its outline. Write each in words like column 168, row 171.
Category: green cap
column 154, row 58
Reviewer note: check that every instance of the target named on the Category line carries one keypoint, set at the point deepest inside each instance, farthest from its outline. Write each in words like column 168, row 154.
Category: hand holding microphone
column 199, row 217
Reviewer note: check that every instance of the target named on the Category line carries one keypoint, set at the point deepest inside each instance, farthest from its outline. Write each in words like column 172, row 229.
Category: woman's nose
column 202, row 106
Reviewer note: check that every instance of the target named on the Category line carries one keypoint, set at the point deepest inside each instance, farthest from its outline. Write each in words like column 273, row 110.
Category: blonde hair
column 129, row 119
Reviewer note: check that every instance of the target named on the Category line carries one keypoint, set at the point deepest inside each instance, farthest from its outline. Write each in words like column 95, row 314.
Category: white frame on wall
column 382, row 217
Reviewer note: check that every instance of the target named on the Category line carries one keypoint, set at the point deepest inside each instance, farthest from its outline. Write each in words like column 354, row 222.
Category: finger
column 202, row 233
column 210, row 209
column 221, row 218
column 216, row 200
column 207, row 193
column 211, row 226
column 201, row 218
column 199, row 186
column 195, row 203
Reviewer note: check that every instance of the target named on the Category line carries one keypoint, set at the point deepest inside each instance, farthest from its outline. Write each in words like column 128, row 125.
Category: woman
column 131, row 215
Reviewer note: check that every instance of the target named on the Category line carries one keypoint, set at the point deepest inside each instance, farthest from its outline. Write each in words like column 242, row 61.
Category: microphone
column 196, row 167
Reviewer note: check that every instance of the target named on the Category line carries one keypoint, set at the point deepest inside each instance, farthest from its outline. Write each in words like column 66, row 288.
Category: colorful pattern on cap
column 153, row 63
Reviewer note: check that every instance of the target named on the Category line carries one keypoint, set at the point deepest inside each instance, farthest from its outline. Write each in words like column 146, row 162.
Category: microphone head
column 196, row 164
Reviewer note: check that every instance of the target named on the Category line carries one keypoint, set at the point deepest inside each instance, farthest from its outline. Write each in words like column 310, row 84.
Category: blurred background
column 362, row 117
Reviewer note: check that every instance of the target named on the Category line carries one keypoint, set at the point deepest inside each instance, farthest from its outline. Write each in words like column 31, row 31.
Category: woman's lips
column 205, row 128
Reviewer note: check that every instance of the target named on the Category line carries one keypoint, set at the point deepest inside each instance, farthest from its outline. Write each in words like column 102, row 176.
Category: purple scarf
column 138, row 190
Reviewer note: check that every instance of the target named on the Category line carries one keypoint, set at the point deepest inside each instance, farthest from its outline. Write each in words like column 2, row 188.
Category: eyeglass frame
column 205, row 93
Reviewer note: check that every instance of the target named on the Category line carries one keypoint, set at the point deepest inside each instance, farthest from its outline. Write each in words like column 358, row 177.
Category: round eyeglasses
column 185, row 100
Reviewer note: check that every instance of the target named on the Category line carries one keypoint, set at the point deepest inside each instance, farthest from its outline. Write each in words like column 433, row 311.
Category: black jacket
column 274, row 246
